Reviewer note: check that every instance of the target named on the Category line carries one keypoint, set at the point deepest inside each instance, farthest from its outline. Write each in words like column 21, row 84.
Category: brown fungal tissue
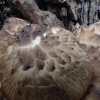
column 89, row 39
column 42, row 63
column 6, row 40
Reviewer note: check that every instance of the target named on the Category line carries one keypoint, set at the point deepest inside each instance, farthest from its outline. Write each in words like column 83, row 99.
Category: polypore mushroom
column 2, row 97
column 89, row 39
column 7, row 34
column 43, row 63
column 14, row 26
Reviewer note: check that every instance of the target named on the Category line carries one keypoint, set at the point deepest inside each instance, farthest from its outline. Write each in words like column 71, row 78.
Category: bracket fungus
column 42, row 63
column 89, row 39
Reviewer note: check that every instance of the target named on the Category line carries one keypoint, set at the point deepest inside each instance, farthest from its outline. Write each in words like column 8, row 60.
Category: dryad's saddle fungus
column 42, row 63
column 14, row 26
column 89, row 40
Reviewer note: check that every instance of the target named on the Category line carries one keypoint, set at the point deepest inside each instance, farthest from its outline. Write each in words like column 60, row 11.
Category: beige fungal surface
column 42, row 63
column 89, row 40
column 14, row 26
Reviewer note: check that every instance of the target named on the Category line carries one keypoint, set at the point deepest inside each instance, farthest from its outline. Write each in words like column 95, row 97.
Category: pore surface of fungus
column 42, row 63
column 89, row 39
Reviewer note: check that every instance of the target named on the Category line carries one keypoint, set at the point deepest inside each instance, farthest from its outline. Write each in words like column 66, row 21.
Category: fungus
column 89, row 39
column 6, row 41
column 35, row 69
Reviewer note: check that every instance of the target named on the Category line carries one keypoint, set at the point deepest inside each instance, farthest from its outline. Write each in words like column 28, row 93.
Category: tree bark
column 33, row 14
column 79, row 12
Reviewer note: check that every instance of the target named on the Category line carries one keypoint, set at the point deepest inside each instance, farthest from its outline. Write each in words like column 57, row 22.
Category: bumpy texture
column 89, row 40
column 42, row 63
column 17, row 25
column 34, row 15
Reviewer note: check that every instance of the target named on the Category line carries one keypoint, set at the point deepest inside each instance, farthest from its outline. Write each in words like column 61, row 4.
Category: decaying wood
column 79, row 12
column 71, row 14
column 33, row 14
column 2, row 17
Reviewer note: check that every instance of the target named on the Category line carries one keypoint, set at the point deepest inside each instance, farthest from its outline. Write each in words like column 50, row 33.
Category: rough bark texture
column 33, row 14
column 79, row 12
column 73, row 13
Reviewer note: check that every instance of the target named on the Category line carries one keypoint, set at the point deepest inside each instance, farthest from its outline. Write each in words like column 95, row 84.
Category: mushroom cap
column 14, row 26
column 44, row 63
column 89, row 39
